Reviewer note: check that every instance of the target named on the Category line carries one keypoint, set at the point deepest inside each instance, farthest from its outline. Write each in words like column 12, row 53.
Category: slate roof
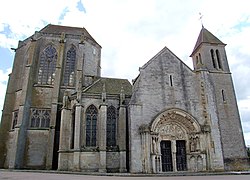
column 57, row 29
column 112, row 86
column 206, row 37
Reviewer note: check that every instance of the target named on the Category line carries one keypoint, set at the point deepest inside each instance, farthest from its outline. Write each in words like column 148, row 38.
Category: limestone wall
column 36, row 149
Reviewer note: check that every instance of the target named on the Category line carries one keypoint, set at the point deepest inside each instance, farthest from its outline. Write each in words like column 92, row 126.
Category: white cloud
column 131, row 32
column 4, row 76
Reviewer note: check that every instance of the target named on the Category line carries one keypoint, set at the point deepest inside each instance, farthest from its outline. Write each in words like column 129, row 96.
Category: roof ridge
column 91, row 85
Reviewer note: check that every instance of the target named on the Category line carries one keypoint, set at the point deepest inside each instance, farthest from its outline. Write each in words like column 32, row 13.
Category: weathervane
column 201, row 16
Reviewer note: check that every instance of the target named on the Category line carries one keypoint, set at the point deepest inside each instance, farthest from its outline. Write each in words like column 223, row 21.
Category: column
column 19, row 140
column 122, row 132
column 77, row 137
column 65, row 135
column 145, row 148
column 102, row 137
column 122, row 137
column 173, row 145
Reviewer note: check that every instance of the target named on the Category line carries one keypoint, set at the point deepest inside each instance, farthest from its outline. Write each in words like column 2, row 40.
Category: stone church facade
column 59, row 113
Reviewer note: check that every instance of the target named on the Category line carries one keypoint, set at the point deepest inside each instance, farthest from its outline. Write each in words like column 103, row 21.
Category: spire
column 205, row 37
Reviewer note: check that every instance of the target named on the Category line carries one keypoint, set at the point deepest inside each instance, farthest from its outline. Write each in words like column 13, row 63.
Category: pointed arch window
column 218, row 58
column 69, row 71
column 213, row 58
column 47, row 66
column 91, row 124
column 111, row 126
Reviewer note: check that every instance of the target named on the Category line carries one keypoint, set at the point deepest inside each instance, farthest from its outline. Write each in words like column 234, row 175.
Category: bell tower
column 211, row 66
column 209, row 53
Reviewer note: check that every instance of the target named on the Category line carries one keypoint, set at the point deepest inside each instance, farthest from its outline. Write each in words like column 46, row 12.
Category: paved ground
column 19, row 175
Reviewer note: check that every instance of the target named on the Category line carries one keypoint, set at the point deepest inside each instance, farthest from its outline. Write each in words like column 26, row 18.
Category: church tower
column 211, row 65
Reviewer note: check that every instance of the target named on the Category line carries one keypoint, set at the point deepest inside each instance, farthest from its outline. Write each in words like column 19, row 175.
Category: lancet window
column 47, row 66
column 213, row 58
column 111, row 126
column 91, row 125
column 69, row 71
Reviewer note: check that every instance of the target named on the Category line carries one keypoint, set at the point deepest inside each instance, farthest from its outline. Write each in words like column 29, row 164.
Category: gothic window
column 47, row 66
column 14, row 119
column 111, row 126
column 218, row 58
column 213, row 59
column 91, row 124
column 69, row 72
column 40, row 118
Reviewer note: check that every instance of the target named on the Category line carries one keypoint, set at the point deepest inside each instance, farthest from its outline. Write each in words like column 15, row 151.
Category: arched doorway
column 175, row 136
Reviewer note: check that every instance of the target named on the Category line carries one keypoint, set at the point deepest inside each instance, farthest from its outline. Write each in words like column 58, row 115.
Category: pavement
column 169, row 174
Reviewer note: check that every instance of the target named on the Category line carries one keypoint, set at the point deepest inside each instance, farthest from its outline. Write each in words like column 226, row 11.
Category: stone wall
column 36, row 149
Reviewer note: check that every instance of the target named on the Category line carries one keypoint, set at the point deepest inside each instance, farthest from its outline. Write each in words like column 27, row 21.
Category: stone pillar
column 122, row 132
column 19, row 140
column 51, row 136
column 102, row 133
column 5, row 123
column 77, row 137
column 65, row 135
column 122, row 137
column 145, row 147
column 173, row 147
column 154, row 163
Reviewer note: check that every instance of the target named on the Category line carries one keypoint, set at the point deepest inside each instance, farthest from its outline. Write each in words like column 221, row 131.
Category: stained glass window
column 40, row 118
column 111, row 126
column 47, row 66
column 91, row 125
column 69, row 71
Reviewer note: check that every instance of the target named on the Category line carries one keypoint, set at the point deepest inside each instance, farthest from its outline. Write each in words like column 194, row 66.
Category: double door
column 171, row 161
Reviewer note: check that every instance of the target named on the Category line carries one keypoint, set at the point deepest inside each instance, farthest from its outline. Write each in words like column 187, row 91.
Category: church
column 60, row 114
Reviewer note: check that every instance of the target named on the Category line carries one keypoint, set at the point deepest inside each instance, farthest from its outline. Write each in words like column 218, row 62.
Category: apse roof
column 58, row 29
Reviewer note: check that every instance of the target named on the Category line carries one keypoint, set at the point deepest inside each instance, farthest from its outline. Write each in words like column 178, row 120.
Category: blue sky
column 132, row 31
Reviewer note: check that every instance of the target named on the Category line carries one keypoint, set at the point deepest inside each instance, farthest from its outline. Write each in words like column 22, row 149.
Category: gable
column 164, row 62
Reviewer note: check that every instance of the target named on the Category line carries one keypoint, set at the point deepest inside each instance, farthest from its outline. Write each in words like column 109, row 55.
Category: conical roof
column 206, row 37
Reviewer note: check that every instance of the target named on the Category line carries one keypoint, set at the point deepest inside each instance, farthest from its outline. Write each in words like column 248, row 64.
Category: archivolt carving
column 171, row 130
column 176, row 116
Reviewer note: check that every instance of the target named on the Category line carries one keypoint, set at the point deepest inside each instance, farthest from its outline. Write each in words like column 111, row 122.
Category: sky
column 131, row 32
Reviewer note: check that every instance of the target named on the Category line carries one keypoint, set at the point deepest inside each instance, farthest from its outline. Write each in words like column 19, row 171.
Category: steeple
column 209, row 53
column 206, row 37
